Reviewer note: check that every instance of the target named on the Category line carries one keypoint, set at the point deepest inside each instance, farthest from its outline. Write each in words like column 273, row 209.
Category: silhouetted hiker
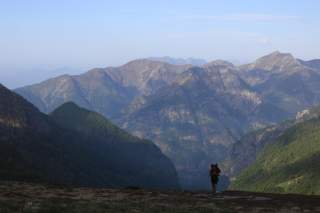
column 214, row 174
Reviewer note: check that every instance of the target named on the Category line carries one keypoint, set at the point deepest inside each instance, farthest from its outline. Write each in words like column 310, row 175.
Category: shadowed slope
column 36, row 147
column 138, row 162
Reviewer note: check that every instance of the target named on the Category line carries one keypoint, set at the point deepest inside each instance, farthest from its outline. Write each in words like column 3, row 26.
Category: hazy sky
column 44, row 38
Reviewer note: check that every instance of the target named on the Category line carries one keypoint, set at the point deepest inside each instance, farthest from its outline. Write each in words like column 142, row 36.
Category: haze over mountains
column 195, row 114
column 180, row 61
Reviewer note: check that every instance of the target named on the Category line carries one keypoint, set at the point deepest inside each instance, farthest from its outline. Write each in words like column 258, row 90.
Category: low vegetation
column 31, row 198
column 290, row 165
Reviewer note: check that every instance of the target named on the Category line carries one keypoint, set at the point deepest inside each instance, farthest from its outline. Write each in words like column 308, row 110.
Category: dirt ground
column 30, row 198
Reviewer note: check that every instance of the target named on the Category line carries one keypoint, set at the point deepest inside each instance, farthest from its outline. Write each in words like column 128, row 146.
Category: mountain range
column 280, row 78
column 74, row 146
column 180, row 61
column 194, row 114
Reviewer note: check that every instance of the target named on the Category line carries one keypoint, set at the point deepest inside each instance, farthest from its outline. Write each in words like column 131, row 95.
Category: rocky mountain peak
column 146, row 75
column 143, row 64
column 221, row 63
column 180, row 61
column 275, row 61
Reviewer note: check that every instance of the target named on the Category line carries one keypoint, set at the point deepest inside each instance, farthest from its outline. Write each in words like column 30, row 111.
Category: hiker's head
column 214, row 165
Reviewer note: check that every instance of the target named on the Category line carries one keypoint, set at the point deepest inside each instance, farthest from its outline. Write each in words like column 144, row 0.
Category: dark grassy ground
column 32, row 198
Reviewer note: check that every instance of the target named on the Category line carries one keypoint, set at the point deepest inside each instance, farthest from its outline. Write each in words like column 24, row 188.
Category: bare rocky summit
column 180, row 61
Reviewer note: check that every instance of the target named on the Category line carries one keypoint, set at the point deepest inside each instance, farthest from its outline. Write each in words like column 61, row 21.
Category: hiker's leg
column 213, row 188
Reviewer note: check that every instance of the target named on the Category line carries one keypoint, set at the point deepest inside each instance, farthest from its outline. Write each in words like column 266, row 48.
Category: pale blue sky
column 44, row 38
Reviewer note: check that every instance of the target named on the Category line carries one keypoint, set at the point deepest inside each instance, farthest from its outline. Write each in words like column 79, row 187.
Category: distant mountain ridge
column 74, row 146
column 274, row 62
column 107, row 91
column 180, row 61
column 189, row 111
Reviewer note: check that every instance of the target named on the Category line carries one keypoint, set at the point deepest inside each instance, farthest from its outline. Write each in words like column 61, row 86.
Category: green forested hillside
column 290, row 165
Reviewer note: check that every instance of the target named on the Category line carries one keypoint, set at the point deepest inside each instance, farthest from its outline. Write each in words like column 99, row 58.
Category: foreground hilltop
column 21, row 197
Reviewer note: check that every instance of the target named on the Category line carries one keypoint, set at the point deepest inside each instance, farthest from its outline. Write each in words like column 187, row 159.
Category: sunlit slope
column 291, row 165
